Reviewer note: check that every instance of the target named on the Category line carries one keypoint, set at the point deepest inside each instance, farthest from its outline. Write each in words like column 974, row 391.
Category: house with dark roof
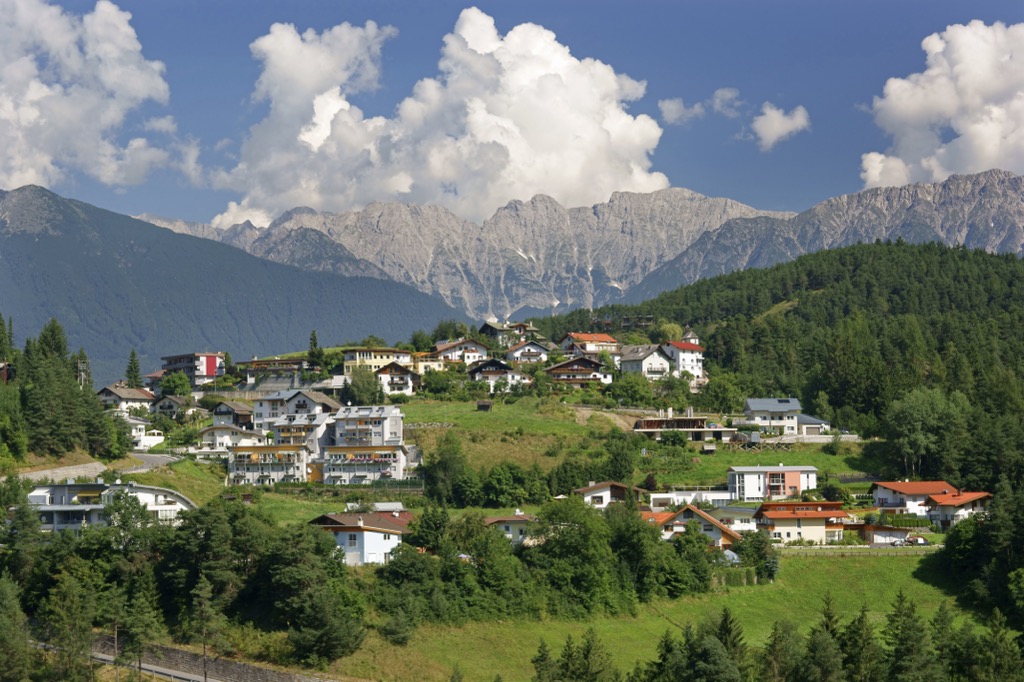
column 773, row 414
column 365, row 537
column 647, row 360
column 515, row 527
column 169, row 405
column 396, row 379
column 529, row 351
column 579, row 372
column 120, row 398
column 494, row 372
column 233, row 413
column 463, row 350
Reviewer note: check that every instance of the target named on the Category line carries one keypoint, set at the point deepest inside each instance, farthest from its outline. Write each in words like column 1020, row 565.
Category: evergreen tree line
column 908, row 649
column 47, row 403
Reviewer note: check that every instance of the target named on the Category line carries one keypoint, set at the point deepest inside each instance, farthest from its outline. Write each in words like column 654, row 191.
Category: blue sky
column 200, row 110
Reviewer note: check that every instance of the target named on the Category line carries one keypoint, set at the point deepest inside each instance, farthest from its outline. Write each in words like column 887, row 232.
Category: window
column 352, row 541
column 387, row 536
column 508, row 529
column 597, row 500
column 799, row 523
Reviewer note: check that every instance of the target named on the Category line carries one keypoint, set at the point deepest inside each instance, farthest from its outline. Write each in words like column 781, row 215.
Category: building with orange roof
column 673, row 523
column 907, row 497
column 949, row 509
column 816, row 522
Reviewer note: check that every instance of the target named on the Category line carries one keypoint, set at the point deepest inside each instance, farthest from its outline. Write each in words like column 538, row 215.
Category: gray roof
column 772, row 405
column 634, row 353
column 810, row 420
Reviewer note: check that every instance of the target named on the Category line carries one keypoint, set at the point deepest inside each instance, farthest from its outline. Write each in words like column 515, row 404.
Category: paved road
column 91, row 470
column 147, row 462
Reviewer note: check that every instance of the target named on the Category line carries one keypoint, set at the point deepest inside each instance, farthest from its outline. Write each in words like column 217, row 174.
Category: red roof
column 591, row 338
column 686, row 345
column 918, row 487
column 659, row 518
column 823, row 514
column 955, row 499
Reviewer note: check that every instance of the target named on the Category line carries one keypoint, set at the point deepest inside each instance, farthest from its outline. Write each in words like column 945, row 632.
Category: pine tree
column 862, row 655
column 316, row 357
column 782, row 654
column 143, row 623
column 133, row 373
column 824, row 660
column 206, row 623
column 66, row 616
column 545, row 668
column 1000, row 656
column 730, row 634
column 910, row 653
column 17, row 654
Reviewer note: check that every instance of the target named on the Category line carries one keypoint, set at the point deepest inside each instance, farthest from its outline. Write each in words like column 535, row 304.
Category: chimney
column 670, row 413
column 359, row 521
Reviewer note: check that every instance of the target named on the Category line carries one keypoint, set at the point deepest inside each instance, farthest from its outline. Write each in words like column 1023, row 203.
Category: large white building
column 71, row 506
column 771, row 482
column 365, row 538
column 686, row 356
column 200, row 368
column 368, row 445
column 774, row 415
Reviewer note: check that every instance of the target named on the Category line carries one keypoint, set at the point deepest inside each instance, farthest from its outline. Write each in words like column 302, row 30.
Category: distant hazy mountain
column 981, row 211
column 534, row 256
column 117, row 283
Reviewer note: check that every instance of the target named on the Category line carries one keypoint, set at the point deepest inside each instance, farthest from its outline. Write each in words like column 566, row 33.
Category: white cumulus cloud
column 675, row 112
column 506, row 117
column 67, row 84
column 963, row 113
column 726, row 101
column 773, row 124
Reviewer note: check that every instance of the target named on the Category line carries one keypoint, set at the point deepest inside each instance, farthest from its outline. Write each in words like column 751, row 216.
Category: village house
column 463, row 350
column 121, row 399
column 221, row 437
column 426, row 362
column 948, row 509
column 257, row 369
column 673, row 523
column 647, row 360
column 751, row 483
column 579, row 343
column 579, row 372
column 171, row 406
column 515, row 527
column 70, row 506
column 678, row 497
column 507, row 333
column 687, row 357
column 529, row 352
column 496, row 373
column 200, row 368
column 739, row 519
column 365, row 537
column 374, row 359
column 812, row 522
column 396, row 379
column 267, row 464
column 233, row 413
column 907, row 497
column 809, row 425
column 773, row 415
column 143, row 435
column 602, row 494
column 368, row 445
column 268, row 409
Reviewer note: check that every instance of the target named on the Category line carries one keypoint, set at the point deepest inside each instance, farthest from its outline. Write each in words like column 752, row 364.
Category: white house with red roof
column 907, row 497
column 686, row 356
column 674, row 523
column 588, row 344
column 949, row 509
column 367, row 537
column 816, row 522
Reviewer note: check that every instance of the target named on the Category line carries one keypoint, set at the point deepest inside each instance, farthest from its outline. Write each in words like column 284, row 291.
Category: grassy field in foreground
column 483, row 650
column 198, row 482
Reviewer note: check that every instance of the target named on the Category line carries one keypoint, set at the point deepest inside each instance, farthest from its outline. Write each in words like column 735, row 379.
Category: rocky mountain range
column 532, row 257
column 538, row 257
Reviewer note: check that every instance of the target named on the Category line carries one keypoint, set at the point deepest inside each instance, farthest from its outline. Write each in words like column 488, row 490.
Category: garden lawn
column 483, row 650
column 198, row 482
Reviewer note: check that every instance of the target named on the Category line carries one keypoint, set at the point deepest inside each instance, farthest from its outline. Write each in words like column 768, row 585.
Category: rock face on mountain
column 980, row 211
column 117, row 284
column 532, row 256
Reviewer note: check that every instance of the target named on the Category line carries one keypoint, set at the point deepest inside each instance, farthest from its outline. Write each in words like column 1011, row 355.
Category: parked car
column 916, row 540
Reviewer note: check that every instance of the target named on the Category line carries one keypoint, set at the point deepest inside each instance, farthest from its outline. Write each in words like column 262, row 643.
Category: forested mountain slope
column 116, row 283
column 853, row 331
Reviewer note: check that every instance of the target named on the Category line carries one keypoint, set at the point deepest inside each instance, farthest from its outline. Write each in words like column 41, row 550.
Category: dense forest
column 922, row 345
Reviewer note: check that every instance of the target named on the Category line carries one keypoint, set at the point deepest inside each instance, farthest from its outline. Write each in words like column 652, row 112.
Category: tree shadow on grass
column 934, row 569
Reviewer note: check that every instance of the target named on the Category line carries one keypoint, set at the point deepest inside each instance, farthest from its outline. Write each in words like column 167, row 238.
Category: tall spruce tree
column 17, row 653
column 133, row 373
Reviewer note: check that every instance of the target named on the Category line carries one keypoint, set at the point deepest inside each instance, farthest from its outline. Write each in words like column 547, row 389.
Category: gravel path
column 91, row 470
